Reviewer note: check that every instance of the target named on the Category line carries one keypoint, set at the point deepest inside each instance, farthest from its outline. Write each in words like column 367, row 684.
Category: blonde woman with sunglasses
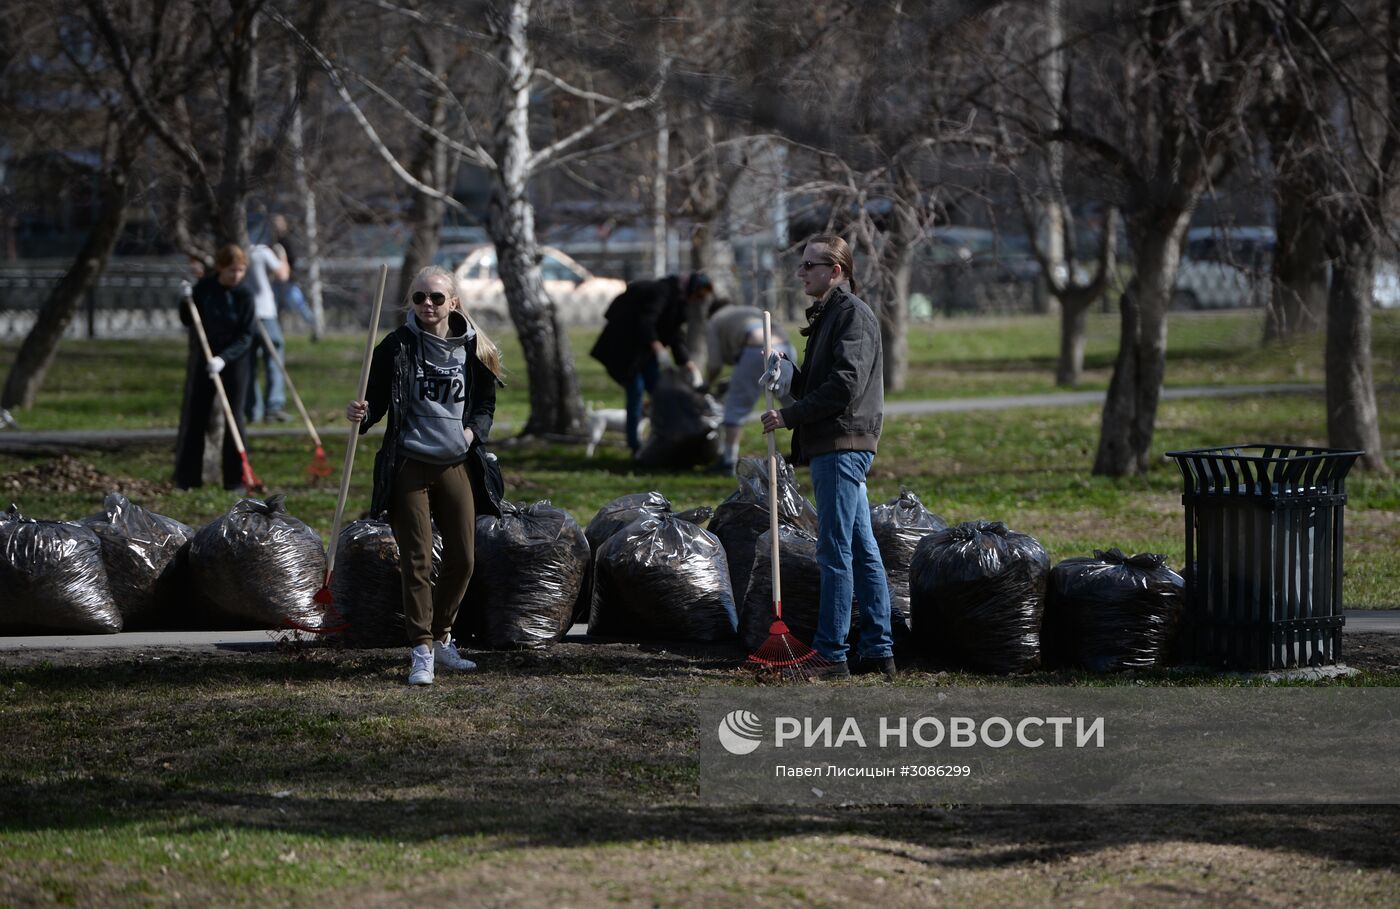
column 435, row 378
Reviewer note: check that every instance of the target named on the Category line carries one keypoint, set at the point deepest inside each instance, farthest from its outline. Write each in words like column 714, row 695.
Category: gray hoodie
column 432, row 429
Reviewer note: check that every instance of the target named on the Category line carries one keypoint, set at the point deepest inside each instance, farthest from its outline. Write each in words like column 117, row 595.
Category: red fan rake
column 782, row 656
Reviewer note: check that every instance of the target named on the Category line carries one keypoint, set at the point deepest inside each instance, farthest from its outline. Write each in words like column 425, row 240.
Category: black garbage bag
column 740, row 519
column 697, row 515
column 530, row 566
column 801, row 582
column 259, row 563
column 52, row 578
column 977, row 594
column 662, row 578
column 138, row 547
column 684, row 424
column 622, row 511
column 899, row 525
column 368, row 585
column 611, row 518
column 1112, row 612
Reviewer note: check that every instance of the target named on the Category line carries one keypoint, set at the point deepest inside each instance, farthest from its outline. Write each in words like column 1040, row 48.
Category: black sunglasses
column 419, row 298
column 808, row 266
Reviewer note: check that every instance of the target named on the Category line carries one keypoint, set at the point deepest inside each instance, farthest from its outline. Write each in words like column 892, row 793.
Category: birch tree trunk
column 296, row 146
column 658, row 194
column 556, row 406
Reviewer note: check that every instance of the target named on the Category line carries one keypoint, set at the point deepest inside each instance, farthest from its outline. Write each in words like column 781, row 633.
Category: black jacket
column 840, row 388
column 647, row 311
column 391, row 383
column 227, row 316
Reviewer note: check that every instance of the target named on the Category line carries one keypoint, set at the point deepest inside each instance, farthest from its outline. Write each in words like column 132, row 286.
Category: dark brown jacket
column 840, row 387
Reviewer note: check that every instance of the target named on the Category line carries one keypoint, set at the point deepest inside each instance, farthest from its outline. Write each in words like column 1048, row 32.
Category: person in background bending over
column 734, row 336
column 225, row 307
column 835, row 422
column 435, row 378
column 644, row 320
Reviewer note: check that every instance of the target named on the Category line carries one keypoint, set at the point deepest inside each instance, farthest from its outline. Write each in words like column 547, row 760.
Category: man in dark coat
column 642, row 322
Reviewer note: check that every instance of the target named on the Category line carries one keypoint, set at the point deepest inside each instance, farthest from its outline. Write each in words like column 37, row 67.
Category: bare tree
column 1188, row 75
column 1344, row 64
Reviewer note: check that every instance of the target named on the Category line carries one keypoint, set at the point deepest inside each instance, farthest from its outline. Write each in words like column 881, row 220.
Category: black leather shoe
column 833, row 672
column 870, row 665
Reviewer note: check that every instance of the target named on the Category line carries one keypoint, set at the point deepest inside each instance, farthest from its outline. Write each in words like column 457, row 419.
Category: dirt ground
column 306, row 776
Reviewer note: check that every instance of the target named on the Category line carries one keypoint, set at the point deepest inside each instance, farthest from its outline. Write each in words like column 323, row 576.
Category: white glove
column 664, row 360
column 216, row 365
column 186, row 290
column 777, row 375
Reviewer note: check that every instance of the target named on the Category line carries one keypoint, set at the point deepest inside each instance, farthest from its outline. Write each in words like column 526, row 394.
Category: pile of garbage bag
column 800, row 582
column 138, row 550
column 367, row 585
column 684, row 424
column 1112, row 612
column 261, row 564
column 530, row 566
column 977, row 595
column 52, row 578
column 664, row 578
column 743, row 517
column 899, row 525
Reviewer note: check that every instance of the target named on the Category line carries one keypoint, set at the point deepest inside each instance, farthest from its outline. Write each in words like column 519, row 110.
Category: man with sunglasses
column 835, row 422
column 642, row 323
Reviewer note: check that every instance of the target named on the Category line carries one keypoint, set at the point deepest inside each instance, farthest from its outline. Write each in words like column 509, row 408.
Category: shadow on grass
column 572, row 747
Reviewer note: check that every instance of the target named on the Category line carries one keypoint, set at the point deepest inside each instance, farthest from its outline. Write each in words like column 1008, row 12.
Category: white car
column 1226, row 268
column 579, row 296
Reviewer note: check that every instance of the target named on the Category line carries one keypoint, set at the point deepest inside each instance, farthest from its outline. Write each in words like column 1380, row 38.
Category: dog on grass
column 607, row 419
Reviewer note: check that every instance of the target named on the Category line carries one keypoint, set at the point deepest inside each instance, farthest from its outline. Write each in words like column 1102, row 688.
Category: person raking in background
column 734, row 337
column 646, row 319
column 266, row 265
column 835, row 422
column 226, row 309
column 287, row 292
column 435, row 377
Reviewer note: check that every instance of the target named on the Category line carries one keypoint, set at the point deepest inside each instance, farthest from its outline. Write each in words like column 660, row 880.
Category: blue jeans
column 849, row 559
column 642, row 381
column 276, row 398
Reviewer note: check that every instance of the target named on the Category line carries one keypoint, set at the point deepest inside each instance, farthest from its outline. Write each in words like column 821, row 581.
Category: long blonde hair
column 486, row 350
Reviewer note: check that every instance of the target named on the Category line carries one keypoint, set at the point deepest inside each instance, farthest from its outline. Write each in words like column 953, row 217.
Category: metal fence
column 139, row 299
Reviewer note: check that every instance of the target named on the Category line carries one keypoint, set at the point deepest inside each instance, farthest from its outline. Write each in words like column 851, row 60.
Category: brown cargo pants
column 423, row 493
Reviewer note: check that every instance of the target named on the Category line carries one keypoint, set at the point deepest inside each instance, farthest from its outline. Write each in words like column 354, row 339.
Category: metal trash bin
column 1263, row 555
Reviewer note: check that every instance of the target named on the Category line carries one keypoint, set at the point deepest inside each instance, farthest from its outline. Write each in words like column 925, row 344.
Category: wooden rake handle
column 355, row 427
column 772, row 474
column 218, row 379
column 282, row 367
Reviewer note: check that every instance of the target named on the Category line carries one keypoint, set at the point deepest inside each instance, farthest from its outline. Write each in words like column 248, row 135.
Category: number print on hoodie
column 438, row 400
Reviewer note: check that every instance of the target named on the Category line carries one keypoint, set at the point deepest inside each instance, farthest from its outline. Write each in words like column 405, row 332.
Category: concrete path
column 1359, row 621
column 59, row 441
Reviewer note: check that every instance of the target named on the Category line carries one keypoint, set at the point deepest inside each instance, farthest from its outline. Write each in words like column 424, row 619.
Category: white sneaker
column 445, row 652
column 421, row 671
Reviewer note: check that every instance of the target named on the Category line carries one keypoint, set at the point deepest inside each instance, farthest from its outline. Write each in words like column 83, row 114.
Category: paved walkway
column 58, row 441
column 1359, row 621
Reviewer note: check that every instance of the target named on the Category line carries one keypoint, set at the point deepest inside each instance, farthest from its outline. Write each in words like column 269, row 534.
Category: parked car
column 972, row 269
column 1225, row 268
column 580, row 296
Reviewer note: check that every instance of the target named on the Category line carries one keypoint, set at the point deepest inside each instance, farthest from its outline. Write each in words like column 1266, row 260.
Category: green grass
column 560, row 778
column 569, row 777
column 1027, row 467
